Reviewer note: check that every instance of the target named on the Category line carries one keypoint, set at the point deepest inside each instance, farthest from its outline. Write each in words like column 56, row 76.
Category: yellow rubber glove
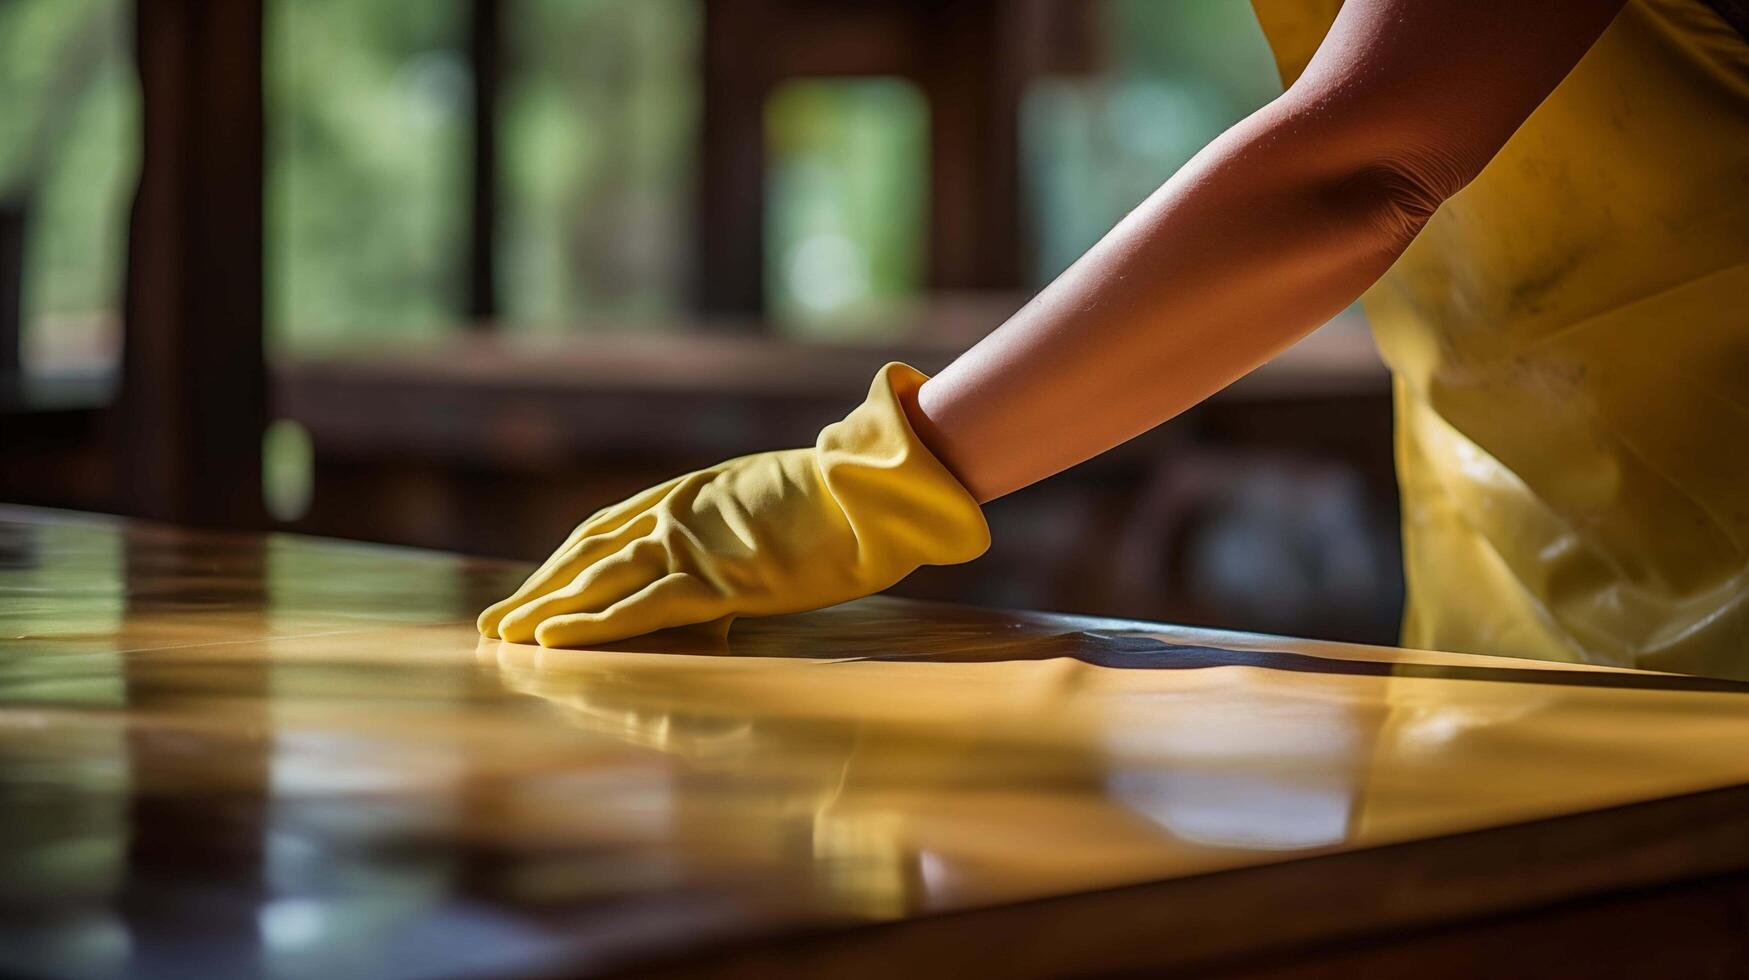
column 771, row 533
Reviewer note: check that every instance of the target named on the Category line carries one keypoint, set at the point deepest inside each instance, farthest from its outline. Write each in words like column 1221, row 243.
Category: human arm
column 1267, row 233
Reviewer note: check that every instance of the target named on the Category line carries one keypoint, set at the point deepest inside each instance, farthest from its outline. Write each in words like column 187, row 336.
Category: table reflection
column 908, row 781
column 944, row 757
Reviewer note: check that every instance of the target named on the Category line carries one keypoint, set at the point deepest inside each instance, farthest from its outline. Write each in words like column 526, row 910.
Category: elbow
column 1401, row 192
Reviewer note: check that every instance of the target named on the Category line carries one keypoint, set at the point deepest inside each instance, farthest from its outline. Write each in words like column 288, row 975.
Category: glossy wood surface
column 243, row 755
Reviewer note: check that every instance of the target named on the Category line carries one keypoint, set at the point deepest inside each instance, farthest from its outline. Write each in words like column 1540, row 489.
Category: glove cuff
column 904, row 507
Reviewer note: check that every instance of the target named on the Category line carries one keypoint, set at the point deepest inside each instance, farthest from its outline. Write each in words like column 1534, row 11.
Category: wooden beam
column 194, row 377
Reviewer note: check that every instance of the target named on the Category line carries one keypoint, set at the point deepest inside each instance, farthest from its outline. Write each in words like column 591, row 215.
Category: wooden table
column 235, row 755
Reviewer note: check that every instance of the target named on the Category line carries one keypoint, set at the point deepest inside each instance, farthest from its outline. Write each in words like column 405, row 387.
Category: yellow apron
column 1569, row 338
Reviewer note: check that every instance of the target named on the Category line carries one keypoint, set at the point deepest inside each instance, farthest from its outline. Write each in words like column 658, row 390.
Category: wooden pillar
column 729, row 258
column 12, row 236
column 194, row 382
column 974, row 90
column 485, row 57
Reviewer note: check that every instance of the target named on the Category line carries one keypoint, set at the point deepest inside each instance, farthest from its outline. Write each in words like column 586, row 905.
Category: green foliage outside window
column 68, row 157
column 1181, row 73
column 600, row 121
column 368, row 108
column 847, row 201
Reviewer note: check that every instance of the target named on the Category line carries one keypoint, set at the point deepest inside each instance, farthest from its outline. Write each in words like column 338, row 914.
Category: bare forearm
column 1247, row 249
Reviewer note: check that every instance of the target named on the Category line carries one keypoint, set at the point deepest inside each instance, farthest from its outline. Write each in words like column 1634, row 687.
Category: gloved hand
column 771, row 533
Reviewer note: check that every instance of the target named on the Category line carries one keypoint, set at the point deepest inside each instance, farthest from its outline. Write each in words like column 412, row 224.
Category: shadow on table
column 881, row 629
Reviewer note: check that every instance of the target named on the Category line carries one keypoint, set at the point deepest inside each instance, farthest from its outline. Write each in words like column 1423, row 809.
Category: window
column 600, row 120
column 368, row 112
column 68, row 162
column 1178, row 74
column 846, row 203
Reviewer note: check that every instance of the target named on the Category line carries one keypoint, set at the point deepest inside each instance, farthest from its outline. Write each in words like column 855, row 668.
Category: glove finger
column 560, row 571
column 675, row 599
column 616, row 516
column 603, row 521
column 597, row 587
column 616, row 522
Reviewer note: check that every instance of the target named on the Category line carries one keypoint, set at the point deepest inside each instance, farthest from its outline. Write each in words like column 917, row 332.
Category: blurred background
column 455, row 273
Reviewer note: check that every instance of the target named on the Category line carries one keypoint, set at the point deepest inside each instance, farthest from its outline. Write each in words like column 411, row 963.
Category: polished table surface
column 241, row 755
